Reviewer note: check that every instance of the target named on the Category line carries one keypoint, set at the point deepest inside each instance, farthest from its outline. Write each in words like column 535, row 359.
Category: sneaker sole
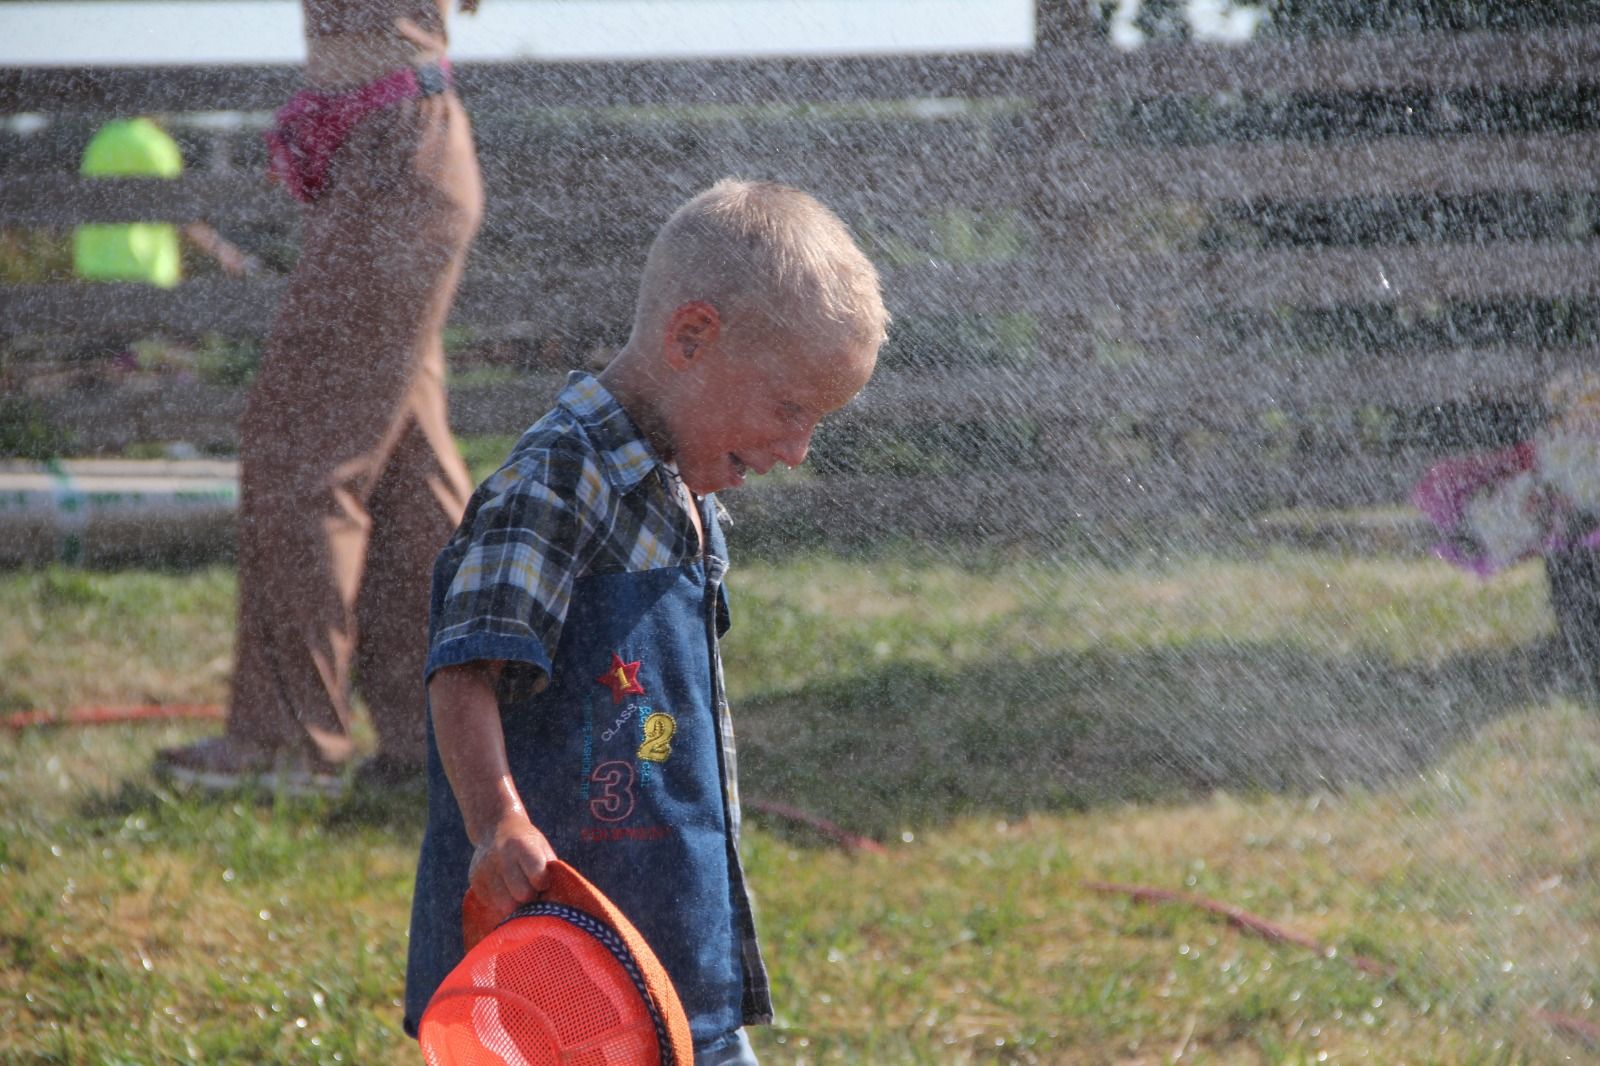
column 280, row 782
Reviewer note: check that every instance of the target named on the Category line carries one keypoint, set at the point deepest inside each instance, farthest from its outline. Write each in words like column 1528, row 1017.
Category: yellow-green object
column 137, row 251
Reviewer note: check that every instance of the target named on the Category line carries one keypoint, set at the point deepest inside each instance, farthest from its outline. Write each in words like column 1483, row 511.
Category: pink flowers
column 1540, row 496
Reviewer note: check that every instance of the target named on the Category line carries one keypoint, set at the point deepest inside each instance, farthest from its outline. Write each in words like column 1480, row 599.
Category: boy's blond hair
column 769, row 258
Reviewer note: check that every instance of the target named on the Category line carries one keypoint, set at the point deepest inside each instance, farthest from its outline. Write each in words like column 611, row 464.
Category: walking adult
column 350, row 480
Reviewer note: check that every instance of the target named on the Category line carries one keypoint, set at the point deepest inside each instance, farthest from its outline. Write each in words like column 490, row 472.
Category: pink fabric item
column 1448, row 486
column 312, row 126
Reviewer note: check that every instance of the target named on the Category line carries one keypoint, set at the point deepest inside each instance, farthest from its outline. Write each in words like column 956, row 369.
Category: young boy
column 575, row 686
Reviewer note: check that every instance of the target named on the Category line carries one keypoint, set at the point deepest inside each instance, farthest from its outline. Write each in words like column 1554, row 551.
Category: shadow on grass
column 914, row 746
column 398, row 809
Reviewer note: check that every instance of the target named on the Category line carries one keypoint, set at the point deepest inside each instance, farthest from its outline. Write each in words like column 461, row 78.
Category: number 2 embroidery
column 612, row 799
column 658, row 731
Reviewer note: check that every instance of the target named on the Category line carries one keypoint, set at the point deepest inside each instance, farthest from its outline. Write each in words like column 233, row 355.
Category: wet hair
column 769, row 258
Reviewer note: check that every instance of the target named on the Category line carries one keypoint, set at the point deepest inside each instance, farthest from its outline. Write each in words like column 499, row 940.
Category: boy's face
column 741, row 412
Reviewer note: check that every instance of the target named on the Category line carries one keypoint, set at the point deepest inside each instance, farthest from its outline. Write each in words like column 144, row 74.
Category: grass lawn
column 1375, row 752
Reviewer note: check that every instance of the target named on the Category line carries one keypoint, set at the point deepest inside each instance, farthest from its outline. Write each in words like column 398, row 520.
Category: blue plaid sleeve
column 502, row 585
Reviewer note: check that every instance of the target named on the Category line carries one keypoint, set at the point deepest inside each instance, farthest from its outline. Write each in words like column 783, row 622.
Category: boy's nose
column 791, row 451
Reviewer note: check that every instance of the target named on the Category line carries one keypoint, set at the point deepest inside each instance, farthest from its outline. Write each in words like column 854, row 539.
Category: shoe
column 383, row 773
column 222, row 764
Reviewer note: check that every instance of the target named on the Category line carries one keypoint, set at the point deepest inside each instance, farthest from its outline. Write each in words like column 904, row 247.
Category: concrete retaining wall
column 108, row 511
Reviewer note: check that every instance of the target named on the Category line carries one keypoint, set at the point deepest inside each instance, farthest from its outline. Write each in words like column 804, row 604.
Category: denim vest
column 619, row 762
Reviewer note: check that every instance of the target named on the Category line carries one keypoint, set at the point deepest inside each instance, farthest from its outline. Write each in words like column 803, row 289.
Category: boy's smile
column 745, row 413
column 722, row 405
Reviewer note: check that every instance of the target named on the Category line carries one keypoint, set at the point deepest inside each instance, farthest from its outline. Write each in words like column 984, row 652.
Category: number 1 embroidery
column 621, row 678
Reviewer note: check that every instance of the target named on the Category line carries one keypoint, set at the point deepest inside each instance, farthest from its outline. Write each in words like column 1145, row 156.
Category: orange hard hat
column 566, row 979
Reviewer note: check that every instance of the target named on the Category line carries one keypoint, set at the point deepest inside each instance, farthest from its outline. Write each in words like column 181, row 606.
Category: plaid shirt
column 562, row 506
column 581, row 494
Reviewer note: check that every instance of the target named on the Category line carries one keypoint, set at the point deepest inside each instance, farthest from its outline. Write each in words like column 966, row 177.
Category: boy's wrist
column 498, row 809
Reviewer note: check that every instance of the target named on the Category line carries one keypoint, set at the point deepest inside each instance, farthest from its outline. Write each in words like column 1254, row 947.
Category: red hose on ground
column 1588, row 1032
column 1239, row 917
column 17, row 721
column 20, row 720
column 848, row 840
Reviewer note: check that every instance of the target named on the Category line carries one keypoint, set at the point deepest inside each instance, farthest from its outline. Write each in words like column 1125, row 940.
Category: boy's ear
column 691, row 329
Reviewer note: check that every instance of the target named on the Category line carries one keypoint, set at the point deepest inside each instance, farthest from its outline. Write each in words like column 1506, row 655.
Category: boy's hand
column 508, row 865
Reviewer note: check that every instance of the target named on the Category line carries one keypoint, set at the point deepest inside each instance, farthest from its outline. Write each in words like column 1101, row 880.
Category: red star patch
column 622, row 679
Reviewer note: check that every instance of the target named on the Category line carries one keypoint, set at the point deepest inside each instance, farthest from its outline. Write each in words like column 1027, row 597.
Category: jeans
column 731, row 1050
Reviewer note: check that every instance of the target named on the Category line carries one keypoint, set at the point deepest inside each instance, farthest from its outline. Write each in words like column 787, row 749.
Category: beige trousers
column 350, row 482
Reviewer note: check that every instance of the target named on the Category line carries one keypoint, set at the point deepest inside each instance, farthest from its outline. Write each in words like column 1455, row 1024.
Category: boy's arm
column 509, row 856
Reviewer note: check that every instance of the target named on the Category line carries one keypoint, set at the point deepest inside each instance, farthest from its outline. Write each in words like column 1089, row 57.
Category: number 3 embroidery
column 615, row 799
column 658, row 731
